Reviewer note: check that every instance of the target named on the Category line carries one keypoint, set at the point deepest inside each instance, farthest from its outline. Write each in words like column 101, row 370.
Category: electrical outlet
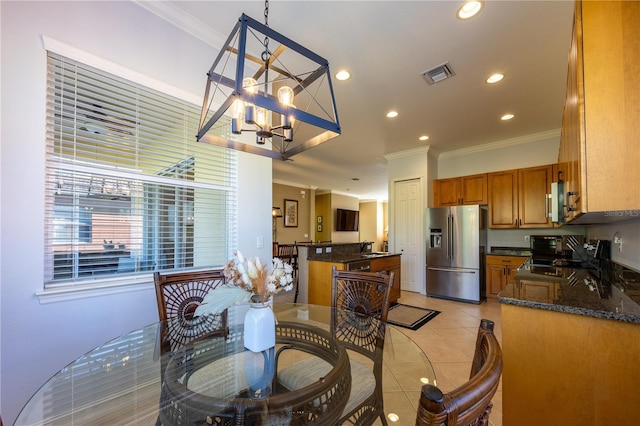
column 328, row 249
column 526, row 238
column 617, row 241
column 260, row 242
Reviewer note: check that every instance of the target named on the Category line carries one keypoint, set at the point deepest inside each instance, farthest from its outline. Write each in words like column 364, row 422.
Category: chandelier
column 267, row 84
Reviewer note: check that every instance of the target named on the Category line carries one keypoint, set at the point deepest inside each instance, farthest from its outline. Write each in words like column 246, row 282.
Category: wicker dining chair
column 178, row 294
column 361, row 302
column 288, row 253
column 470, row 403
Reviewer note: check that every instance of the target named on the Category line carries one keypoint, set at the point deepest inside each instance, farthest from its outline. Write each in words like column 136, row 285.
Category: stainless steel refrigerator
column 457, row 237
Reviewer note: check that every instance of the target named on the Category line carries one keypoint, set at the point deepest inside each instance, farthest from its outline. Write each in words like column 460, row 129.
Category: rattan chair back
column 470, row 403
column 361, row 302
column 178, row 295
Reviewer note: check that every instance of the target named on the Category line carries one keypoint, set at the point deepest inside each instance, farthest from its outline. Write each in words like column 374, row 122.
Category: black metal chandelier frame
column 283, row 145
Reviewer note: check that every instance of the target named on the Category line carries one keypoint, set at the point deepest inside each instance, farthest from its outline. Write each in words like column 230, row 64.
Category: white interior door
column 407, row 226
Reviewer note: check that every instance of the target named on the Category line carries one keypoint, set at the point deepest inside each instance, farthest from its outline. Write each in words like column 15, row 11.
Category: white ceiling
column 387, row 45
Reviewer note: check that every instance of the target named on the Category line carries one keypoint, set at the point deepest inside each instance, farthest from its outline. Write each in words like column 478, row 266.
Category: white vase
column 259, row 327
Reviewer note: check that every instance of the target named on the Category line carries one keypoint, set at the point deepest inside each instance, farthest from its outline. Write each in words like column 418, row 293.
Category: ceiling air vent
column 439, row 73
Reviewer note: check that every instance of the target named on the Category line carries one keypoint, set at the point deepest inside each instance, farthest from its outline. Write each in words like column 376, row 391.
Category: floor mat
column 410, row 316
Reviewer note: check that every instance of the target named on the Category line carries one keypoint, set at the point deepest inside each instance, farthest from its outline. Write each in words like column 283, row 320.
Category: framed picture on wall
column 291, row 213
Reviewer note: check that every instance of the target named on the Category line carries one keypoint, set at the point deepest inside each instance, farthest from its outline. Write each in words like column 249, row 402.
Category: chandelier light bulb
column 237, row 116
column 285, row 95
column 261, row 117
column 250, row 84
column 288, row 120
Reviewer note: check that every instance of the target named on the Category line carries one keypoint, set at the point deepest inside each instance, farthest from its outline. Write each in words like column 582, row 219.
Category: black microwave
column 546, row 248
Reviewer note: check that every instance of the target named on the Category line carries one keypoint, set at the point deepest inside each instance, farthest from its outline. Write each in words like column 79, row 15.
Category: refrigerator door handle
column 451, row 238
column 462, row 271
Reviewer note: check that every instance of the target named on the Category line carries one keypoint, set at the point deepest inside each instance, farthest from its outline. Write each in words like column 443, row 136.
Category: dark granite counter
column 344, row 252
column 510, row 251
column 351, row 257
column 611, row 292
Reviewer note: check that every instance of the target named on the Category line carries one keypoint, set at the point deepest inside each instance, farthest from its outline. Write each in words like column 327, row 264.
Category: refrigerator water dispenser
column 435, row 238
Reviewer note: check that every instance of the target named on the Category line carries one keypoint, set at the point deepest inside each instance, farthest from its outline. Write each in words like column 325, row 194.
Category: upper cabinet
column 518, row 198
column 599, row 153
column 460, row 190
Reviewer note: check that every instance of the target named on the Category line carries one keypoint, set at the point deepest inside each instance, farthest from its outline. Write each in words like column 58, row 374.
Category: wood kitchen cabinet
column 585, row 367
column 500, row 271
column 518, row 198
column 598, row 153
column 385, row 265
column 461, row 190
column 319, row 287
column 319, row 282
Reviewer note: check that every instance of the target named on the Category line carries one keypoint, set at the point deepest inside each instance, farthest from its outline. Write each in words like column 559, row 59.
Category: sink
column 375, row 254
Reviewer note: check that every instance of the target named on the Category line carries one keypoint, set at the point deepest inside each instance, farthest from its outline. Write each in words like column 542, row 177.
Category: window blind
column 128, row 188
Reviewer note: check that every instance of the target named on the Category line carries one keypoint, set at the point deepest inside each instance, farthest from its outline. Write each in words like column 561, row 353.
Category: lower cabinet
column 539, row 291
column 385, row 265
column 319, row 291
column 500, row 271
column 568, row 369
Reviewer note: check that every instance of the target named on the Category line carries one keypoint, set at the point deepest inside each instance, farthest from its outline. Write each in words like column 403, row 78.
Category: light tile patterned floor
column 448, row 340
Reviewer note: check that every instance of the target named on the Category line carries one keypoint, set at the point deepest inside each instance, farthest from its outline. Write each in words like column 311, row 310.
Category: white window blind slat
column 129, row 190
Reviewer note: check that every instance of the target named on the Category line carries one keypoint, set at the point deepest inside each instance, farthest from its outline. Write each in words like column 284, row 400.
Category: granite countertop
column 612, row 292
column 510, row 251
column 351, row 257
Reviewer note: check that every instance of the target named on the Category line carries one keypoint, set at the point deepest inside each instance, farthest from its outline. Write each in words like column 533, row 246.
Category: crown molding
column 549, row 134
column 408, row 153
column 178, row 17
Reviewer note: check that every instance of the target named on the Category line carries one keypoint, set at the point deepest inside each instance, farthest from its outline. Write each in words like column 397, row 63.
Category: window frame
column 57, row 290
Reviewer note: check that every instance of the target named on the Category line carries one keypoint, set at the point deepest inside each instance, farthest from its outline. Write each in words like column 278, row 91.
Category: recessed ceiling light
column 343, row 75
column 507, row 117
column 423, row 137
column 392, row 114
column 393, row 417
column 469, row 9
column 494, row 78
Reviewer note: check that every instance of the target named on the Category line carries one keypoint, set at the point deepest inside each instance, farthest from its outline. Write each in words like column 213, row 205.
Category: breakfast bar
column 316, row 260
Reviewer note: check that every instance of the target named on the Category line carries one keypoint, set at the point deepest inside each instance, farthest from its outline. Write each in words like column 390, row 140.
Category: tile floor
column 448, row 340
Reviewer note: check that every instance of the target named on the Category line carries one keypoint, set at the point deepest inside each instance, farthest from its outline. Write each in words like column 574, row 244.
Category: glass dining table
column 134, row 379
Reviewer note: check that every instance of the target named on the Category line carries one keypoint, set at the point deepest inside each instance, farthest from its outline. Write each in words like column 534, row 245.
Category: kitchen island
column 317, row 261
column 571, row 346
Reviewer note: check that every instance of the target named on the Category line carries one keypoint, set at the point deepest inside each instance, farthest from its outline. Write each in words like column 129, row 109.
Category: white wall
column 629, row 231
column 37, row 340
column 372, row 223
column 533, row 150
